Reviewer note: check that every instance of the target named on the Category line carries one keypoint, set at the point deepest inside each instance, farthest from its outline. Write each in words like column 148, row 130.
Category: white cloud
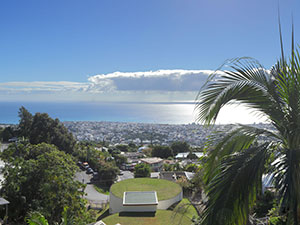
column 46, row 86
column 160, row 85
column 160, row 80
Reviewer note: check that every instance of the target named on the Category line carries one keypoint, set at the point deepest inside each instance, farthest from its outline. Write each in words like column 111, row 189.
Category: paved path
column 92, row 194
column 125, row 175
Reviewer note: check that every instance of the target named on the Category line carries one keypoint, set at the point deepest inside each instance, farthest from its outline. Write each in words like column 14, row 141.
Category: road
column 125, row 175
column 91, row 193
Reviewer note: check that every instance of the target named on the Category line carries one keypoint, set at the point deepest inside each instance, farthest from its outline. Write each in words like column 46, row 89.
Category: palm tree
column 236, row 164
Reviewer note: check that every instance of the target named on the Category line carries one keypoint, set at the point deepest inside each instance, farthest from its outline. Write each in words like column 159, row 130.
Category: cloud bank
column 157, row 85
column 45, row 86
column 160, row 80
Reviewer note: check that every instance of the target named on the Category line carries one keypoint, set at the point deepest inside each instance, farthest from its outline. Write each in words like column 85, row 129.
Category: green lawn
column 184, row 207
column 162, row 217
column 165, row 189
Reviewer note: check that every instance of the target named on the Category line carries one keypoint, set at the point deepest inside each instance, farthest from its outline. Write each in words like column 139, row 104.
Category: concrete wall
column 116, row 204
column 148, row 208
column 165, row 204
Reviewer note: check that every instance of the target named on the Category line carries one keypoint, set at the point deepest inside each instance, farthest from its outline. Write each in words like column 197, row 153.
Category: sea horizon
column 140, row 112
column 182, row 112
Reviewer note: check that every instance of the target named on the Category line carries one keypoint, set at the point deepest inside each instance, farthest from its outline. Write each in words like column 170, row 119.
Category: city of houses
column 145, row 133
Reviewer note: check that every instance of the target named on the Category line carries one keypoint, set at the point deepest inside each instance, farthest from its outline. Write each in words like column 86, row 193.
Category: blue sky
column 55, row 48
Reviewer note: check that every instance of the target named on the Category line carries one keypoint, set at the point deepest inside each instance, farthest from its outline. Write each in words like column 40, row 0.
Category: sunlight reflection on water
column 172, row 113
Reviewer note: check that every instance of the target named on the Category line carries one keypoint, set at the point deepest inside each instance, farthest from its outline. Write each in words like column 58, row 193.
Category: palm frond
column 287, row 180
column 234, row 188
column 235, row 164
column 247, row 82
column 235, row 140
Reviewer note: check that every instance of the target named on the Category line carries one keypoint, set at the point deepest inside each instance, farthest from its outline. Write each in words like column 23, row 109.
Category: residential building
column 155, row 163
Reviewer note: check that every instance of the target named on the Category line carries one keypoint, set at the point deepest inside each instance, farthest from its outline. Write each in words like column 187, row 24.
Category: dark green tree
column 123, row 148
column 45, row 129
column 162, row 151
column 25, row 123
column 41, row 178
column 235, row 166
column 142, row 170
column 180, row 146
column 8, row 133
column 107, row 173
column 120, row 159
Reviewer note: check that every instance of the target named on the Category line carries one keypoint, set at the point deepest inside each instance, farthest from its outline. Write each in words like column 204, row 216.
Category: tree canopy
column 142, row 170
column 41, row 178
column 180, row 146
column 8, row 133
column 161, row 151
column 26, row 119
column 42, row 128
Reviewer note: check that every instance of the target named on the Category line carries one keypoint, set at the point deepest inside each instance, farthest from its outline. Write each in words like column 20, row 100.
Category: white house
column 155, row 163
column 184, row 155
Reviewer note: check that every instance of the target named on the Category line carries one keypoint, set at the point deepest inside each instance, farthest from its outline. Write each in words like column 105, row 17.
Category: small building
column 143, row 195
column 128, row 166
column 168, row 175
column 133, row 155
column 155, row 163
column 140, row 201
column 175, row 175
column 184, row 155
column 133, row 158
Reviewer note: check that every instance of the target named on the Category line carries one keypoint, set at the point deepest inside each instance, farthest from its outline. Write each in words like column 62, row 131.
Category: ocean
column 165, row 113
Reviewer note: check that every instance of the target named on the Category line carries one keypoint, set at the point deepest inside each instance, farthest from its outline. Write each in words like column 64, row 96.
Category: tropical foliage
column 40, row 178
column 162, row 151
column 37, row 219
column 101, row 162
column 142, row 170
column 180, row 146
column 234, row 169
column 40, row 128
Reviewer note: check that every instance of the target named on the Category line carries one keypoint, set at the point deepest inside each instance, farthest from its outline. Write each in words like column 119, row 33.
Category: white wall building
column 155, row 163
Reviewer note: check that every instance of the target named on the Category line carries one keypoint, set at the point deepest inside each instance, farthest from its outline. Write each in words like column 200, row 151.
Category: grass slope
column 165, row 189
column 162, row 217
column 186, row 208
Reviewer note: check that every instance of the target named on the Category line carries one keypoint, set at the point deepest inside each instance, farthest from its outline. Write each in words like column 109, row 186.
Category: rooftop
column 164, row 189
column 152, row 160
column 131, row 198
column 185, row 154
